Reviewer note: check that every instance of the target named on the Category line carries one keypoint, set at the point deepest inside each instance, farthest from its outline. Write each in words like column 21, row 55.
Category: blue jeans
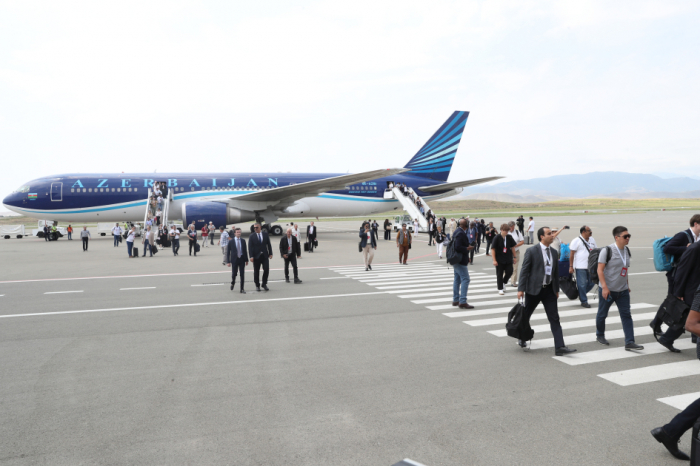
column 147, row 245
column 70, row 235
column 622, row 299
column 461, row 278
column 129, row 247
column 584, row 284
column 116, row 240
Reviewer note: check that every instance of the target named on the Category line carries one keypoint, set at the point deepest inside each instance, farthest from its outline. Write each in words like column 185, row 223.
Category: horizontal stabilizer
column 457, row 184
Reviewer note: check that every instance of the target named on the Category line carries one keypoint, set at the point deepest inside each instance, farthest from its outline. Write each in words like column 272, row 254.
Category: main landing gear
column 274, row 230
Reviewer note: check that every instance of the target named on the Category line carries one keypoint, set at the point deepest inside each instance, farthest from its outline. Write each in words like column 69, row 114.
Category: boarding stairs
column 410, row 207
column 150, row 211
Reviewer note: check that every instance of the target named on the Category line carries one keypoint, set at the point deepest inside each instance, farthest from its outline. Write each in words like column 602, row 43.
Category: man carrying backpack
column 581, row 248
column 613, row 264
column 678, row 244
column 461, row 282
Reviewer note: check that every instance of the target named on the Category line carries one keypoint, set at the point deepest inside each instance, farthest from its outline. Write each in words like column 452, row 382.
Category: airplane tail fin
column 434, row 159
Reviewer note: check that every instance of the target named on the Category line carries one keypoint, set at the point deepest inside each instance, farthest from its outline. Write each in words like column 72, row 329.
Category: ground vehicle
column 405, row 218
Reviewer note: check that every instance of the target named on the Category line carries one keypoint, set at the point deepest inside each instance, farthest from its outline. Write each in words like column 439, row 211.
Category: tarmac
column 111, row 360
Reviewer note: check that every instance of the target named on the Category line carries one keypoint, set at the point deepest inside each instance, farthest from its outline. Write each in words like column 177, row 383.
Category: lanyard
column 624, row 258
column 588, row 246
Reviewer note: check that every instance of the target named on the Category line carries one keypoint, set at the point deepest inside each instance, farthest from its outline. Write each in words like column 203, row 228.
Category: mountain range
column 620, row 185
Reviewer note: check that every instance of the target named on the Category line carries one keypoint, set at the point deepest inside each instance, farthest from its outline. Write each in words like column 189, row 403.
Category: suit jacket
column 532, row 272
column 461, row 243
column 284, row 246
column 256, row 249
column 363, row 238
column 232, row 252
column 311, row 236
column 678, row 244
column 687, row 274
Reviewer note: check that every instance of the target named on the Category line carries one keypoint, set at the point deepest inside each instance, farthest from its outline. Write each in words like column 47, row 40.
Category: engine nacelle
column 219, row 213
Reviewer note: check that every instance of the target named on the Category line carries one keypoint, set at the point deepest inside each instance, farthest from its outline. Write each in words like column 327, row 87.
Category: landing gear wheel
column 276, row 230
column 265, row 227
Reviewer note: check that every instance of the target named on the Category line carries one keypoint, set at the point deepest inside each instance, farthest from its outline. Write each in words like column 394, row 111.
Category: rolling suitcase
column 306, row 247
column 196, row 247
column 135, row 252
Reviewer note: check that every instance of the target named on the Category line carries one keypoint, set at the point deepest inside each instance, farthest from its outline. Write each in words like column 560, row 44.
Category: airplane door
column 56, row 192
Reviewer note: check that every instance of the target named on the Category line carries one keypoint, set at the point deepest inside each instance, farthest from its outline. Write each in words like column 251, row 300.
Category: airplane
column 229, row 198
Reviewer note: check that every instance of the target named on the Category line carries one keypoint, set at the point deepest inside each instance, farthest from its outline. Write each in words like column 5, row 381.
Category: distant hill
column 597, row 184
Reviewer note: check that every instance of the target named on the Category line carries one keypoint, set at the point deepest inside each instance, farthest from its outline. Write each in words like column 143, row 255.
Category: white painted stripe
column 332, row 278
column 485, row 303
column 61, row 292
column 500, row 310
column 142, row 288
column 364, row 272
column 447, row 279
column 589, row 337
column 567, row 325
column 436, row 287
column 210, row 284
column 381, row 268
column 642, row 273
column 542, row 316
column 590, row 357
column 680, row 401
column 447, row 293
column 172, row 306
column 442, row 300
column 394, row 276
column 653, row 373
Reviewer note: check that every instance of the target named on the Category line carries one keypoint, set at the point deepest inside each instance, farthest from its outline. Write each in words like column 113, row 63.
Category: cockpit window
column 22, row 189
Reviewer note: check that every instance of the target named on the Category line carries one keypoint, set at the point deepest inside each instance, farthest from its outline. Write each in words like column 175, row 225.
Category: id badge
column 548, row 270
column 505, row 250
column 623, row 272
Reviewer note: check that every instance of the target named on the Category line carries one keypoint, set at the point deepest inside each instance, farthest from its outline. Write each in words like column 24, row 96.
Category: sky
column 552, row 87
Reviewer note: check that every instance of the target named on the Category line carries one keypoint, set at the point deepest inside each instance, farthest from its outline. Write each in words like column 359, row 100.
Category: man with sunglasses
column 613, row 265
column 260, row 253
column 581, row 248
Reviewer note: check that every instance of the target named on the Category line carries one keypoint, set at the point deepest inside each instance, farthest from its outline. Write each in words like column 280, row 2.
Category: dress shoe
column 286, row 280
column 257, row 288
column 243, row 292
column 586, row 305
column 522, row 343
column 671, row 445
column 563, row 350
column 466, row 306
column 231, row 287
column 602, row 341
column 297, row 281
column 669, row 346
column 633, row 346
column 266, row 288
column 455, row 303
column 370, row 267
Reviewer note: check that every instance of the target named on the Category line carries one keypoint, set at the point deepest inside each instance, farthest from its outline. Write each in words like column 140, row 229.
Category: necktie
column 548, row 277
column 238, row 247
column 260, row 237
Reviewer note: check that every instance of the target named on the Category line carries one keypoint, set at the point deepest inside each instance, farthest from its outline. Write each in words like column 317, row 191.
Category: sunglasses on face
column 626, row 236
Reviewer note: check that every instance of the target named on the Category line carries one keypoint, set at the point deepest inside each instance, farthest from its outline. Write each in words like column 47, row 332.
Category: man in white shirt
column 175, row 239
column 580, row 250
column 531, row 230
column 117, row 233
column 131, row 236
column 311, row 236
column 85, row 235
column 212, row 230
column 519, row 241
column 223, row 241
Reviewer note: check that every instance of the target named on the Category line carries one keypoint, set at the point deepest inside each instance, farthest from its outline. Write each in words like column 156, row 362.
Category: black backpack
column 516, row 327
column 593, row 261
column 672, row 312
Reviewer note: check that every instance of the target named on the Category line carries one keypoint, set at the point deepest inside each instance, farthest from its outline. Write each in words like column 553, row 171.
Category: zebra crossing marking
column 612, row 354
column 680, row 401
column 653, row 373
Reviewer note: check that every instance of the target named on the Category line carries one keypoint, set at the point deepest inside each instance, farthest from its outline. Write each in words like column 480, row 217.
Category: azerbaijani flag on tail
column 32, row 196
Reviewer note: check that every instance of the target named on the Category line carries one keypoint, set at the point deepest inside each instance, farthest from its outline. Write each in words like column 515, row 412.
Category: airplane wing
column 288, row 194
column 457, row 184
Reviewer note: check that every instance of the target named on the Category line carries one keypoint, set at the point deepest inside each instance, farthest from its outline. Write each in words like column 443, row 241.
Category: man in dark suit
column 237, row 254
column 311, row 233
column 288, row 245
column 260, row 253
column 685, row 283
column 539, row 283
column 678, row 244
